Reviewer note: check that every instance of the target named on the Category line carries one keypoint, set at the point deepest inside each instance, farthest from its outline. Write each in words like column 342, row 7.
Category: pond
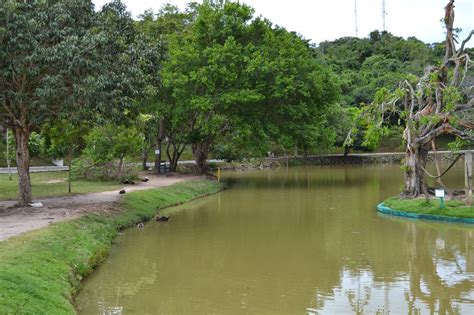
column 303, row 240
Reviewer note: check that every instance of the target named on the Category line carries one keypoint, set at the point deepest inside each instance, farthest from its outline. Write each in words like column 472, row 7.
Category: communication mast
column 355, row 18
column 384, row 14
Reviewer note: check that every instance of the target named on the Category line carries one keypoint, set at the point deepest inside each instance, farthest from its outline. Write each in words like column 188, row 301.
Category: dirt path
column 14, row 221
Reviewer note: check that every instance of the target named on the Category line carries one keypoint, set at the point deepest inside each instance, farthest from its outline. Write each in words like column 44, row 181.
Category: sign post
column 468, row 176
column 440, row 194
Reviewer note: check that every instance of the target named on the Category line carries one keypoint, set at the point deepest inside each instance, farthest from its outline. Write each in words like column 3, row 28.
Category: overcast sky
column 320, row 20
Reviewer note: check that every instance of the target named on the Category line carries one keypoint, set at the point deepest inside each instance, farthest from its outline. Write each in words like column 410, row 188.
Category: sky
column 320, row 20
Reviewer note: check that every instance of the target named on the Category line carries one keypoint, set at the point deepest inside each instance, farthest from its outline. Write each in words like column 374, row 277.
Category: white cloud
column 320, row 20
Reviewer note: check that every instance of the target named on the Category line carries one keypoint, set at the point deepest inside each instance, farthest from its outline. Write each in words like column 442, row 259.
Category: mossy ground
column 41, row 271
column 454, row 208
column 48, row 184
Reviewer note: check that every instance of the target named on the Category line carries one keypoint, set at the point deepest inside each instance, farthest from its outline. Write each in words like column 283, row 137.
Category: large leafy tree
column 206, row 74
column 439, row 102
column 229, row 72
column 156, row 30
column 61, row 59
column 299, row 93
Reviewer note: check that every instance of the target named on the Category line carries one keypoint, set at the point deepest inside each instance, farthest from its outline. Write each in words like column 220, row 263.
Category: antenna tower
column 355, row 19
column 384, row 13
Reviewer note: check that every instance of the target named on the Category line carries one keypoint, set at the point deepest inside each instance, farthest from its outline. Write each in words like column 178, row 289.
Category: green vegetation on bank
column 48, row 184
column 41, row 271
column 454, row 208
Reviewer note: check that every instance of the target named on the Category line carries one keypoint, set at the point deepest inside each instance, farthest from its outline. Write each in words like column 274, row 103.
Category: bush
column 85, row 169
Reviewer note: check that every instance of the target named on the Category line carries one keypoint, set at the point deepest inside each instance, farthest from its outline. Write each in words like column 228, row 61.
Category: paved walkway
column 14, row 221
column 36, row 169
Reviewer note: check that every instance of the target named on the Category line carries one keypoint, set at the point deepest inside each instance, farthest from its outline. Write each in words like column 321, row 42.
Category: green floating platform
column 382, row 208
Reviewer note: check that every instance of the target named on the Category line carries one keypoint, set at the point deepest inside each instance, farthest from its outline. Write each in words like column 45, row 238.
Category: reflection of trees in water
column 359, row 298
column 323, row 177
column 425, row 261
column 438, row 261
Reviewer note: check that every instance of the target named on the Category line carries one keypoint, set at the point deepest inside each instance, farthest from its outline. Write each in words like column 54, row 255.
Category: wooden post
column 468, row 177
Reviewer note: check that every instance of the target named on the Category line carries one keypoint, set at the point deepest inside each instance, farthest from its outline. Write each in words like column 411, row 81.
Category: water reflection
column 302, row 240
column 438, row 277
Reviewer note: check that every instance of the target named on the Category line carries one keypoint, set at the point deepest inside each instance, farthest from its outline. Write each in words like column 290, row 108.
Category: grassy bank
column 40, row 271
column 47, row 184
column 454, row 208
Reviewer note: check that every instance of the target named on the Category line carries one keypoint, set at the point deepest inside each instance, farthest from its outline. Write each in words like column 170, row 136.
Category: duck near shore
column 159, row 218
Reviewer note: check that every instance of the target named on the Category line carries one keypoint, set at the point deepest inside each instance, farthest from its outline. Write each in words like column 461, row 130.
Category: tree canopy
column 232, row 73
column 61, row 59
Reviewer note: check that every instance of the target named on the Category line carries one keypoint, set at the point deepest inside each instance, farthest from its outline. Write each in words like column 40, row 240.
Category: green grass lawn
column 47, row 184
column 454, row 208
column 41, row 271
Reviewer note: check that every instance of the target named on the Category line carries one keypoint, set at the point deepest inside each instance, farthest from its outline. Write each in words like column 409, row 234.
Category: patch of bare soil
column 55, row 181
column 15, row 221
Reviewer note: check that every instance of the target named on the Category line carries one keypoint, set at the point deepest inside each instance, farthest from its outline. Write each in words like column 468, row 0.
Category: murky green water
column 303, row 240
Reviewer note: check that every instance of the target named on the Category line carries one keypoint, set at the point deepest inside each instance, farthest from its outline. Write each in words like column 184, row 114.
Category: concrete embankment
column 332, row 159
column 370, row 158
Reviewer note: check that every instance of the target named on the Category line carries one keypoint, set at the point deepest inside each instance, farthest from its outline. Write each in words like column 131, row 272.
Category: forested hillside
column 381, row 60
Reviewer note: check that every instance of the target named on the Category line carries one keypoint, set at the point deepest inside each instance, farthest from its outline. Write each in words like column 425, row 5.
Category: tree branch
column 464, row 42
column 463, row 107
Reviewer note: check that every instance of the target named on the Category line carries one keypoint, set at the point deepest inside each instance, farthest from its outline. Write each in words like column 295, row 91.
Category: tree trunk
column 200, row 152
column 119, row 172
column 145, row 158
column 415, row 162
column 8, row 156
column 174, row 164
column 23, row 165
column 174, row 152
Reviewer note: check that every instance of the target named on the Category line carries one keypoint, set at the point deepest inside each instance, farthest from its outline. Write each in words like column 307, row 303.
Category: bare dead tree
column 438, row 103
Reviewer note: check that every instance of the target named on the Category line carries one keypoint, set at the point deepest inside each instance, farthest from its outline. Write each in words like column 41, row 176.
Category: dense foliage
column 213, row 79
column 233, row 74
column 365, row 65
column 61, row 59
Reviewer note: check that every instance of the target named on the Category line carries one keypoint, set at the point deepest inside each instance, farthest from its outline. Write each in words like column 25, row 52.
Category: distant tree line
column 366, row 65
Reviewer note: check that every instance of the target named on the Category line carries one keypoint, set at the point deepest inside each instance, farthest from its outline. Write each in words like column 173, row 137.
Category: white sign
column 439, row 193
column 157, row 151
